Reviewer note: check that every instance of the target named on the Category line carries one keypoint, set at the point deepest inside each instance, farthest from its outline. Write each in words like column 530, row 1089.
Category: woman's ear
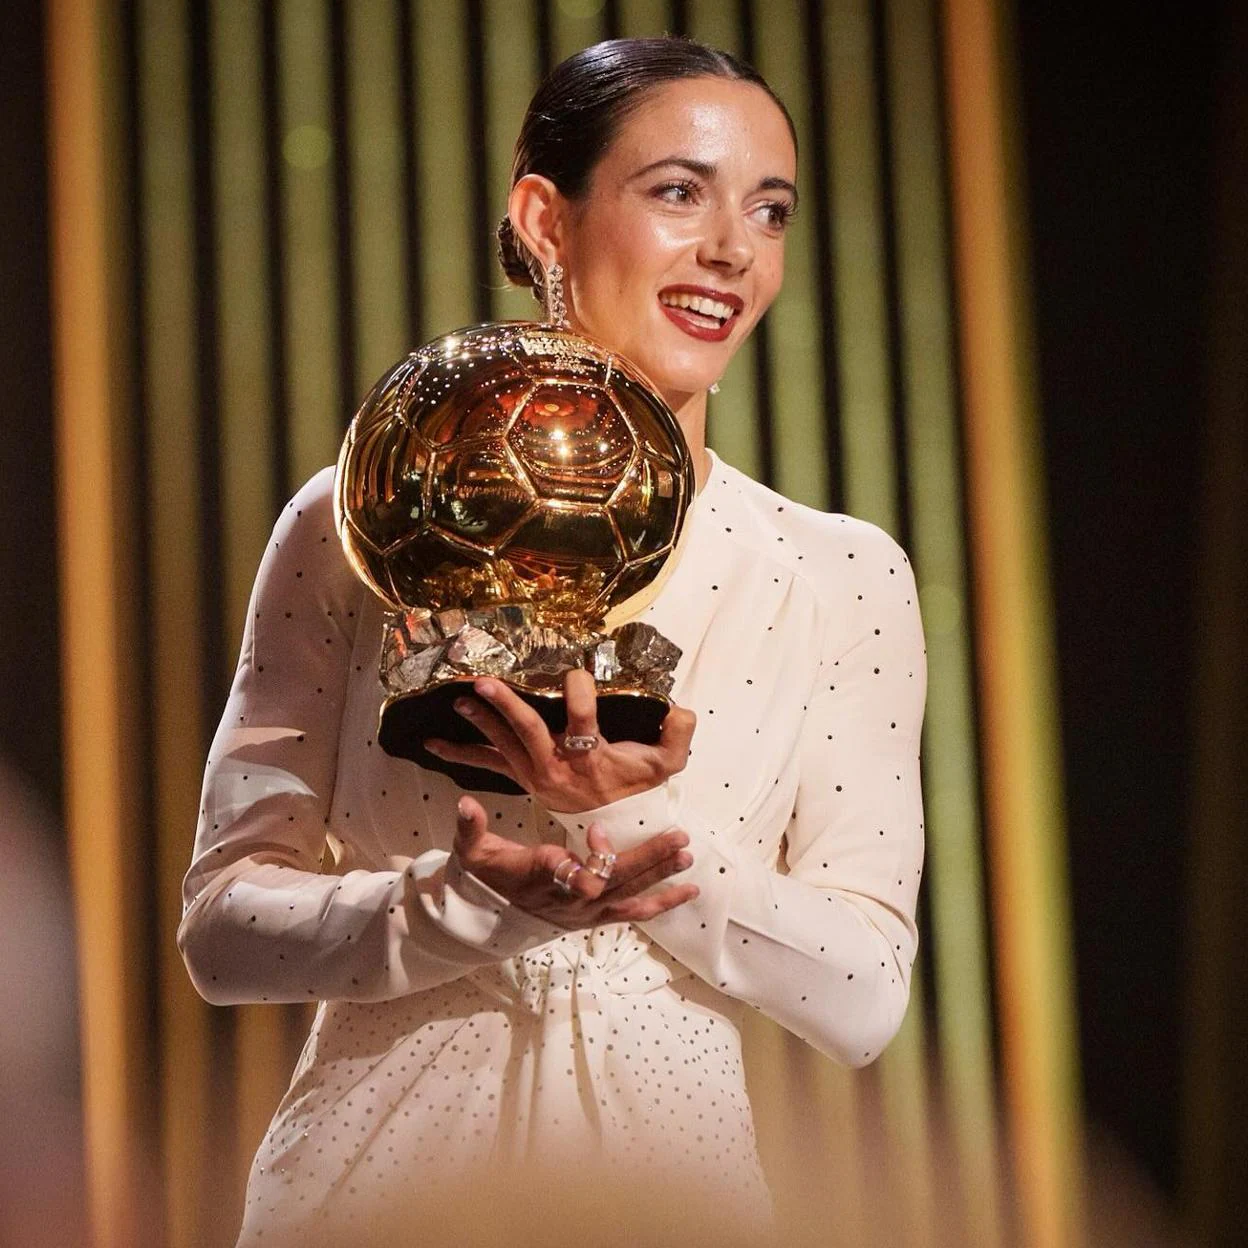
column 536, row 209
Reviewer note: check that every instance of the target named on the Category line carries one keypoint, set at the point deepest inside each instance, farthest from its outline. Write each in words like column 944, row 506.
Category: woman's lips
column 700, row 322
column 697, row 326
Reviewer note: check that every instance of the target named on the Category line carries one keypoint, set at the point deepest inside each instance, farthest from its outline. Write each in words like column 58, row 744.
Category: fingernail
column 684, row 861
column 465, row 706
column 680, row 840
column 462, row 807
column 434, row 747
column 486, row 688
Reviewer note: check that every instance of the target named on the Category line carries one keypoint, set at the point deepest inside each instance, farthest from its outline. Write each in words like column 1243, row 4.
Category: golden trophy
column 515, row 493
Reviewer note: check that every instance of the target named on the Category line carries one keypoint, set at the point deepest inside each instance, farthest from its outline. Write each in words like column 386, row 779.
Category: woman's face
column 677, row 248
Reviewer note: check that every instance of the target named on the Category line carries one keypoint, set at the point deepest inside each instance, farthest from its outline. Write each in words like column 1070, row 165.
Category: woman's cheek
column 672, row 234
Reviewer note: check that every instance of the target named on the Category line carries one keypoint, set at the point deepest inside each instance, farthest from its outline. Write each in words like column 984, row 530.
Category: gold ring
column 563, row 879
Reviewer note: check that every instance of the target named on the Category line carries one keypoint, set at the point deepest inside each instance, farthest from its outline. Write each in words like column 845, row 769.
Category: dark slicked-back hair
column 577, row 112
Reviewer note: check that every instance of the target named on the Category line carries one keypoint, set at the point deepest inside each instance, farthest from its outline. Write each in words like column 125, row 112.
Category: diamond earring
column 556, row 309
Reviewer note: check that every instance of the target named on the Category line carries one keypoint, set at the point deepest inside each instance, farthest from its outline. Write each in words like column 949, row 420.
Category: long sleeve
column 826, row 949
column 261, row 922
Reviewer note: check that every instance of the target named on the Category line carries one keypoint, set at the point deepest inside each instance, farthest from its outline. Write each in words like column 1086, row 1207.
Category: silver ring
column 580, row 743
column 563, row 879
column 603, row 867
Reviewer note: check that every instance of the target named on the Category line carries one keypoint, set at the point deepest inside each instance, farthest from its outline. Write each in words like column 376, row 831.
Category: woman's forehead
column 727, row 123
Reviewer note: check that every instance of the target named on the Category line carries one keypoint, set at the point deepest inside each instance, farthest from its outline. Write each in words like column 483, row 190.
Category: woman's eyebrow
column 701, row 167
column 779, row 184
column 704, row 169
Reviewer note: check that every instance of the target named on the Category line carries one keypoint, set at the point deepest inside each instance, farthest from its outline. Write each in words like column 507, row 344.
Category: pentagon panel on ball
column 512, row 462
column 512, row 490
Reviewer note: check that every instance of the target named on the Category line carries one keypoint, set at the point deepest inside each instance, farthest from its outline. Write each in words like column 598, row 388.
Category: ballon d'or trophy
column 514, row 492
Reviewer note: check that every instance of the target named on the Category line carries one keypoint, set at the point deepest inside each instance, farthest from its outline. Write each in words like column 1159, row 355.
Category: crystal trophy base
column 429, row 660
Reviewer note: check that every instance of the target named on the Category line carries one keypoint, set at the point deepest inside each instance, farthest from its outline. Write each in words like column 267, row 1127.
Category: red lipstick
column 695, row 324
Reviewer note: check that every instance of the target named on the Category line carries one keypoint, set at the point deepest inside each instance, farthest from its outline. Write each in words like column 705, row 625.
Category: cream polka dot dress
column 455, row 1030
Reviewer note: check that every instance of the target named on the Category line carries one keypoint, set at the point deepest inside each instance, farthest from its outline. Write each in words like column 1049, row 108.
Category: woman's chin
column 678, row 386
column 676, row 393
column 677, row 372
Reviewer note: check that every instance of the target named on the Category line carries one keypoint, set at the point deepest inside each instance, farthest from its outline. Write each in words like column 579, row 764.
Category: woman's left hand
column 569, row 781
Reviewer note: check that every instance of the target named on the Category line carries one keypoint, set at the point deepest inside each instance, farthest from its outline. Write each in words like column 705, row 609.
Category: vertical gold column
column 952, row 880
column 171, row 428
column 382, row 268
column 94, row 520
column 866, row 402
column 443, row 177
column 247, row 507
column 317, row 410
column 245, row 303
column 732, row 415
column 799, row 431
column 858, row 245
column 510, row 79
column 1022, row 763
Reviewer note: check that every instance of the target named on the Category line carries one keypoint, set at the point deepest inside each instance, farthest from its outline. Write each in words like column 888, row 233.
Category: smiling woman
column 554, row 981
column 665, row 196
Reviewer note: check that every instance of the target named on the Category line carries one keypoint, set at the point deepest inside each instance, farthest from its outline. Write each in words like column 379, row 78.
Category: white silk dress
column 455, row 1030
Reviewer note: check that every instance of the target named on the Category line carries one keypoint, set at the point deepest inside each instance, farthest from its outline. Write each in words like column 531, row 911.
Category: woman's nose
column 727, row 245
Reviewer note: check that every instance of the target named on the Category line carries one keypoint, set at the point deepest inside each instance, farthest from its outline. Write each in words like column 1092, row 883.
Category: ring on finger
column 579, row 742
column 600, row 864
column 564, row 874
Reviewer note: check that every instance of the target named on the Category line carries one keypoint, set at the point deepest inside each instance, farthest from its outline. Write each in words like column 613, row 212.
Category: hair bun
column 514, row 256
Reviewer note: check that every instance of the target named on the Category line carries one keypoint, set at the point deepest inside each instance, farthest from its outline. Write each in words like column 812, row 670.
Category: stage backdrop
column 257, row 207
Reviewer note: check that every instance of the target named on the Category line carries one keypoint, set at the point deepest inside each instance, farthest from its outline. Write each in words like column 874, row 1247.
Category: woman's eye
column 677, row 192
column 777, row 215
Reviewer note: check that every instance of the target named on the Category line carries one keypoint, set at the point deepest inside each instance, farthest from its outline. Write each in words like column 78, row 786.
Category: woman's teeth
column 700, row 304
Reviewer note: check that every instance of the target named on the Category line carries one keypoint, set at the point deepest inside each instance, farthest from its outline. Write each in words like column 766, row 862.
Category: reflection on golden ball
column 513, row 463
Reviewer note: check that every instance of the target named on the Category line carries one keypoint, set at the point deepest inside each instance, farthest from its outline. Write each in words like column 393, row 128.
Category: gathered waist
column 615, row 960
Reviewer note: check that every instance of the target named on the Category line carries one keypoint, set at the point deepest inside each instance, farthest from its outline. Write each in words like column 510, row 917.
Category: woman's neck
column 691, row 413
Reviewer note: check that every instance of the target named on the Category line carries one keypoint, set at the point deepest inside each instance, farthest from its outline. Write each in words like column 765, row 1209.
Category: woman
column 493, row 987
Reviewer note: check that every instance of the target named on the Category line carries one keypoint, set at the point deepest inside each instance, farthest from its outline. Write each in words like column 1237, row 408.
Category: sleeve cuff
column 476, row 915
column 627, row 823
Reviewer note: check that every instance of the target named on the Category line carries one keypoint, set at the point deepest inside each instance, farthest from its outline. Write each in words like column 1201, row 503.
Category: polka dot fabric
column 455, row 1029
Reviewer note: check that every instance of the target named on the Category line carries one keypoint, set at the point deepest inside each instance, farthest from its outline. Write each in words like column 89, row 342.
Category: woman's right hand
column 525, row 874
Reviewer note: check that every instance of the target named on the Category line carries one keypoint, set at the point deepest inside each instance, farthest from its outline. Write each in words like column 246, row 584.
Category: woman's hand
column 525, row 874
column 521, row 746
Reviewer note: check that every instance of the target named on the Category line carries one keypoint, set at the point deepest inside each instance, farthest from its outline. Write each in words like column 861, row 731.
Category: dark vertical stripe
column 678, row 17
column 972, row 634
column 762, row 335
column 344, row 265
column 275, row 256
column 611, row 19
column 149, row 905
column 892, row 281
column 32, row 740
column 819, row 180
column 545, row 39
column 222, row 1125
column 207, row 377
column 478, row 139
column 409, row 137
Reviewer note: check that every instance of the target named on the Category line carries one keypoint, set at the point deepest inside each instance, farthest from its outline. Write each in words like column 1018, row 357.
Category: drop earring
column 713, row 388
column 556, row 309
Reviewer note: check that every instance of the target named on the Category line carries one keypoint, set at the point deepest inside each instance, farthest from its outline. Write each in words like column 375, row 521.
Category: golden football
column 514, row 462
